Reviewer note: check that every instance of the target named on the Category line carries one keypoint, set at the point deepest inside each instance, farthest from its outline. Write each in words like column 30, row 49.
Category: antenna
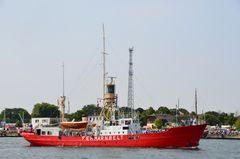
column 63, row 78
column 177, row 107
column 130, row 83
column 62, row 99
column 196, row 105
column 4, row 115
column 68, row 106
column 104, row 67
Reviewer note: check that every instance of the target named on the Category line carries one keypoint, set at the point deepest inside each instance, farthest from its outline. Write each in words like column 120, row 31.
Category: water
column 18, row 148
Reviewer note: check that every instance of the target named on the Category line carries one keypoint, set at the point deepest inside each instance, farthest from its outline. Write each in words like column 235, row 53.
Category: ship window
column 49, row 133
column 111, row 89
column 37, row 121
column 101, row 133
column 125, row 128
column 123, row 132
column 127, row 122
column 118, row 132
column 43, row 132
column 38, row 131
column 44, row 121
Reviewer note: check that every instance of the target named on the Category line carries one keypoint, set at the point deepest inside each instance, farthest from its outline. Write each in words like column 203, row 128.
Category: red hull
column 179, row 137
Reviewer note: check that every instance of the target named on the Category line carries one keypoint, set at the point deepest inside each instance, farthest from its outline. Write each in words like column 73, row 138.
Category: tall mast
column 177, row 107
column 4, row 115
column 104, row 67
column 63, row 79
column 130, row 83
column 196, row 105
column 62, row 98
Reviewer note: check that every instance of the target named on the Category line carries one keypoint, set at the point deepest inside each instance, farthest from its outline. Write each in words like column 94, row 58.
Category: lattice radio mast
column 130, row 83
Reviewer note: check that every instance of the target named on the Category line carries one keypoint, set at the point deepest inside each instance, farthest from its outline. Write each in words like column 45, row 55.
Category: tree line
column 51, row 110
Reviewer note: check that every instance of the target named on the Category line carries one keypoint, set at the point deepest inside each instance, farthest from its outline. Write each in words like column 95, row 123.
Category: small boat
column 74, row 125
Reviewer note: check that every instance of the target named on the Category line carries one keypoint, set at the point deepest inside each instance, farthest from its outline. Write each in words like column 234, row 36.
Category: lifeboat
column 74, row 125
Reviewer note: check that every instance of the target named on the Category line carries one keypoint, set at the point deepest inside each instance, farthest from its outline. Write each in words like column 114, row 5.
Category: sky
column 178, row 46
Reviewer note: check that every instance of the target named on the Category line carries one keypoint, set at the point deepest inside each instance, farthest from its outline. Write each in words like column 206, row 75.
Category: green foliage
column 237, row 123
column 223, row 117
column 150, row 111
column 49, row 110
column 12, row 115
column 87, row 110
column 212, row 119
column 163, row 110
column 158, row 123
column 125, row 111
column 140, row 110
column 76, row 116
column 231, row 119
column 143, row 118
column 193, row 113
column 172, row 111
column 184, row 111
column 45, row 110
column 19, row 124
column 215, row 118
column 91, row 110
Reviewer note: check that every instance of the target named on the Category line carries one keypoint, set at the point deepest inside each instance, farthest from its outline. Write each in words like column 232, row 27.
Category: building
column 43, row 121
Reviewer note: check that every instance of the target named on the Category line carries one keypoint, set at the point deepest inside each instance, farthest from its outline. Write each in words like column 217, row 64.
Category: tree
column 150, row 111
column 237, row 123
column 125, row 110
column 45, row 110
column 223, row 117
column 18, row 124
column 91, row 109
column 12, row 115
column 212, row 120
column 163, row 110
column 143, row 118
column 172, row 111
column 193, row 113
column 231, row 119
column 76, row 116
column 140, row 110
column 184, row 111
column 158, row 123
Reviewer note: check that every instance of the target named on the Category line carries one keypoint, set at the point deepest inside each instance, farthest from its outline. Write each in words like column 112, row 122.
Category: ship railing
column 130, row 129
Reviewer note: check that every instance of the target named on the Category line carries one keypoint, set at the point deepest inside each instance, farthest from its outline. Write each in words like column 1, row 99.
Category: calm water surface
column 18, row 148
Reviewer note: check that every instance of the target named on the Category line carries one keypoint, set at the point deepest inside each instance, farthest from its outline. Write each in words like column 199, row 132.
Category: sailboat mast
column 104, row 67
